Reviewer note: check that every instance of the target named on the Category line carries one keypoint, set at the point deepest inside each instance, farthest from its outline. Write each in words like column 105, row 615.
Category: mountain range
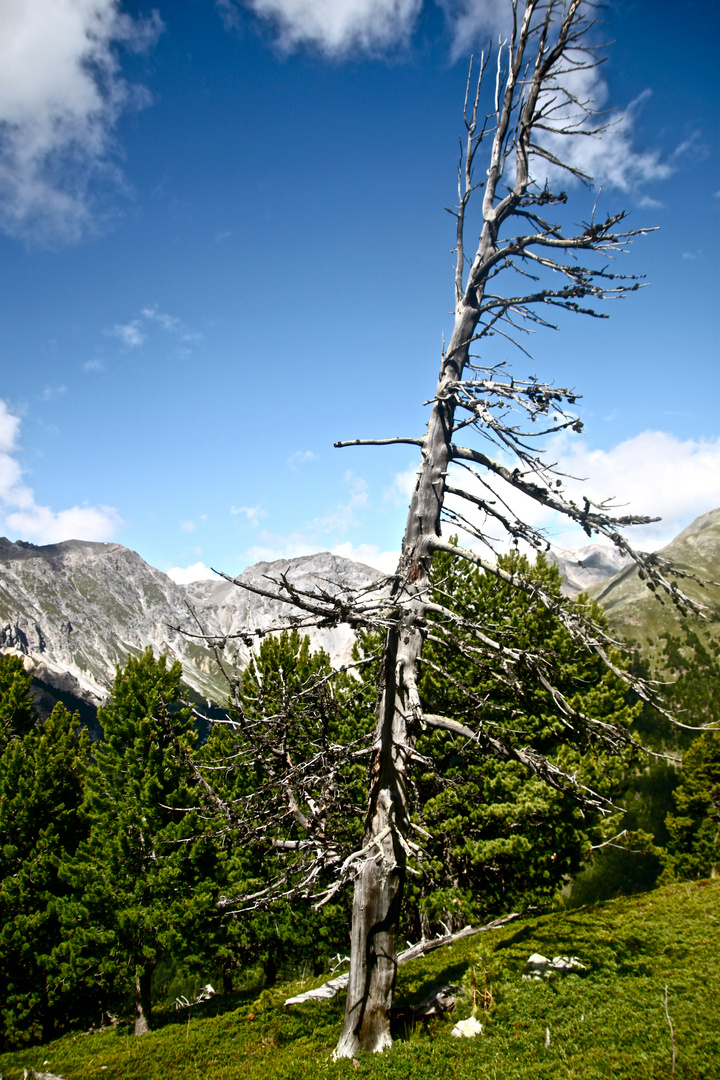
column 76, row 609
column 635, row 615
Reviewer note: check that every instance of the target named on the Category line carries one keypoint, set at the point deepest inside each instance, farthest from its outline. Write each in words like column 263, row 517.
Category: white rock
column 539, row 967
column 467, row 1029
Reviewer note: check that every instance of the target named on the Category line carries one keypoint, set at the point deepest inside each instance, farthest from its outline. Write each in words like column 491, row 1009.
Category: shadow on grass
column 218, row 1005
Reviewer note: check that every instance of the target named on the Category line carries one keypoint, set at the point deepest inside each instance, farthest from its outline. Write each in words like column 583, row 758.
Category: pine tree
column 41, row 792
column 501, row 837
column 694, row 842
column 135, row 878
column 17, row 714
column 290, row 695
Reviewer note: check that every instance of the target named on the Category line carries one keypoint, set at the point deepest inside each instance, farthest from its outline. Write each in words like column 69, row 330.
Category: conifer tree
column 694, row 842
column 17, row 714
column 136, row 881
column 41, row 792
column 288, row 699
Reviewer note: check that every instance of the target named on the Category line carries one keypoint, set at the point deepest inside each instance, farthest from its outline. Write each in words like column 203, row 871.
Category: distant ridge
column 635, row 614
column 77, row 609
column 587, row 567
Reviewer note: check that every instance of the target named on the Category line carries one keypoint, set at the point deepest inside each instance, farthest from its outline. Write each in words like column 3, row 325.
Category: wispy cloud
column 184, row 575
column 324, row 533
column 22, row 517
column 61, row 94
column 341, row 517
column 300, row 457
column 252, row 514
column 370, row 554
column 170, row 323
column 134, row 333
column 130, row 334
column 333, row 26
column 51, row 392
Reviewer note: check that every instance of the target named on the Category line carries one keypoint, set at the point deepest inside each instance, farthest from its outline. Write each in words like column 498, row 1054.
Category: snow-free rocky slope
column 77, row 609
column 636, row 615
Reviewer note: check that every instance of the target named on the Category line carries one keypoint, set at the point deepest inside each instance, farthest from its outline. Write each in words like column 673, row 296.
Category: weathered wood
column 143, row 1002
column 413, row 952
column 379, row 883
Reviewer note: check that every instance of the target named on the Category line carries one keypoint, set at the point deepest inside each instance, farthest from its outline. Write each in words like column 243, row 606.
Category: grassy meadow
column 607, row 1022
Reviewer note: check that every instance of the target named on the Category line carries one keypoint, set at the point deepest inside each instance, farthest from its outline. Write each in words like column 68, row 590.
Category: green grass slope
column 608, row 1022
column 636, row 615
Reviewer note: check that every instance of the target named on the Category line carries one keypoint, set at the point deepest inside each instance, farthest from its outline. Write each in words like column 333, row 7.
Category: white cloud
column 61, row 93
column 334, row 26
column 342, row 516
column 653, row 474
column 21, row 516
column 51, row 392
column 300, row 457
column 9, row 429
column 272, row 547
column 183, row 575
column 134, row 333
column 320, row 534
column 94, row 365
column 253, row 514
column 472, row 23
column 45, row 526
column 129, row 334
column 609, row 157
column 370, row 554
column 399, row 492
column 229, row 13
column 188, row 526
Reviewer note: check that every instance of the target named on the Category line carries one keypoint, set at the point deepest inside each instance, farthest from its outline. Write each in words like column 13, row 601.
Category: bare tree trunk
column 270, row 971
column 379, row 884
column 143, row 1002
column 541, row 54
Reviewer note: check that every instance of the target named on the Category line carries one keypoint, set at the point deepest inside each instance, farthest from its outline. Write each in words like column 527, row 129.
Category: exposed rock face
column 227, row 609
column 77, row 609
column 588, row 566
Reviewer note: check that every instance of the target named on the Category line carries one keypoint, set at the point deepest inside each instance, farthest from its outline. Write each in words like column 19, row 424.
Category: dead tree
column 525, row 267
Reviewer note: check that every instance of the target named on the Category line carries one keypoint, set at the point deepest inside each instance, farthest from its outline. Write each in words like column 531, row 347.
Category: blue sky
column 224, row 246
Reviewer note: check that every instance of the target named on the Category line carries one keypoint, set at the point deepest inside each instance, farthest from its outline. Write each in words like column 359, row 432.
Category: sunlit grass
column 609, row 1022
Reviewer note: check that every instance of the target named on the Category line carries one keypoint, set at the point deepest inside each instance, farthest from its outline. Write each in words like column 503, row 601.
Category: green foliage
column 41, row 791
column 17, row 714
column 694, row 842
column 133, row 878
column 665, row 837
column 689, row 667
column 290, row 711
column 500, row 837
column 608, row 1022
